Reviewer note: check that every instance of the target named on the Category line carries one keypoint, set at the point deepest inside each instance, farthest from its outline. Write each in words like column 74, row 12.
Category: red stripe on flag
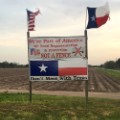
column 101, row 20
column 31, row 19
column 31, row 29
column 72, row 71
column 32, row 26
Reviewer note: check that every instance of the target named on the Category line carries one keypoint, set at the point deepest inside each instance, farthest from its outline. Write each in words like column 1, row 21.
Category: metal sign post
column 86, row 55
column 30, row 82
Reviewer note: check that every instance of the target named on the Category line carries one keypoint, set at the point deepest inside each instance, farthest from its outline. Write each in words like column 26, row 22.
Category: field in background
column 111, row 72
column 99, row 81
column 44, row 107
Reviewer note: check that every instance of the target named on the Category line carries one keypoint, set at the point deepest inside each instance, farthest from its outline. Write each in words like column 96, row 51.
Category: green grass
column 45, row 107
column 111, row 72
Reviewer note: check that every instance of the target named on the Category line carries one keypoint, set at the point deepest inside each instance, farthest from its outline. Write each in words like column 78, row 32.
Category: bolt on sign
column 57, row 58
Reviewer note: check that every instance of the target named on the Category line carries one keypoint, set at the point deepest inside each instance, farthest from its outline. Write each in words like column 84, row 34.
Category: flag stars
column 43, row 68
column 93, row 18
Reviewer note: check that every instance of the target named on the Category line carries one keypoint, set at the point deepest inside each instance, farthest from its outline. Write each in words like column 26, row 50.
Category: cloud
column 59, row 17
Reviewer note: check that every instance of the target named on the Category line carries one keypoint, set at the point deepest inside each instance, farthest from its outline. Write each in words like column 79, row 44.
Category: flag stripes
column 31, row 19
column 98, row 16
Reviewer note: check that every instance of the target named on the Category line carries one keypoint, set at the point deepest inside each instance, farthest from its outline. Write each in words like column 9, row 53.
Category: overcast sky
column 58, row 18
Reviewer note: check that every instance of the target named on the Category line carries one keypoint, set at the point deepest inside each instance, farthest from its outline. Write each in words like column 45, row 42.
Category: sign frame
column 36, row 41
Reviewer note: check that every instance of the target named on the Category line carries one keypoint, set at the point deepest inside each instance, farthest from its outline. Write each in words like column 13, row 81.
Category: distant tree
column 102, row 65
column 118, row 63
column 109, row 64
column 26, row 65
column 6, row 64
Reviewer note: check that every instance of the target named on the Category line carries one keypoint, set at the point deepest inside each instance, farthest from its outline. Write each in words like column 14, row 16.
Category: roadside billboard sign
column 56, row 47
column 57, row 58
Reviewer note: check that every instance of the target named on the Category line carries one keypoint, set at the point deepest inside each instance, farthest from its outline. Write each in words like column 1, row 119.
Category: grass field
column 111, row 72
column 44, row 107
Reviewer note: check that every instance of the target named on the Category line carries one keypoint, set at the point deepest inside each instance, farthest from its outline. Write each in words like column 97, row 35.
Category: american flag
column 31, row 19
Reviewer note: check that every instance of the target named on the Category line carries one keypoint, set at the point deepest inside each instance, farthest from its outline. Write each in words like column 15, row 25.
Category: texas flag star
column 97, row 16
column 59, row 67
column 93, row 18
column 43, row 68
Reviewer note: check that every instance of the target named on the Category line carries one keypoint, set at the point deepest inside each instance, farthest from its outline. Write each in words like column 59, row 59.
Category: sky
column 58, row 18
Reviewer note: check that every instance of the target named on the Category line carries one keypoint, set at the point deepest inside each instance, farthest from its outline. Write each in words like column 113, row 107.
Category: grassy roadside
column 44, row 107
column 111, row 72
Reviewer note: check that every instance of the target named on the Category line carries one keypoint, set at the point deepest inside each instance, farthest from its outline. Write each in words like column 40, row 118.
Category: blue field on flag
column 44, row 68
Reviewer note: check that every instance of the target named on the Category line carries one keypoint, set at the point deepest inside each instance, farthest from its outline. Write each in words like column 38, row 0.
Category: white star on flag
column 43, row 68
column 93, row 18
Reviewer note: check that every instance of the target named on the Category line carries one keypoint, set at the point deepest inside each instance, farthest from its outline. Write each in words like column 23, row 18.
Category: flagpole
column 86, row 56
column 30, row 82
column 85, row 18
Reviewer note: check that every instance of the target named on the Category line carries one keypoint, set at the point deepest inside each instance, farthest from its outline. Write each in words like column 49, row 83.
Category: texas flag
column 98, row 16
column 58, row 68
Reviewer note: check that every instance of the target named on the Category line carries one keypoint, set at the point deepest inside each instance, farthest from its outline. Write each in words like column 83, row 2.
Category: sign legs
column 30, row 91
column 86, row 92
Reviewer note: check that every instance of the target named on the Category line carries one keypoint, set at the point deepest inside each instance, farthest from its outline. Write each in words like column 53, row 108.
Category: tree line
column 112, row 64
column 108, row 64
column 6, row 64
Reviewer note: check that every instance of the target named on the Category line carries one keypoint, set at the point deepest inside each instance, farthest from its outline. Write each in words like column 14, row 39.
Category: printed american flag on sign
column 31, row 19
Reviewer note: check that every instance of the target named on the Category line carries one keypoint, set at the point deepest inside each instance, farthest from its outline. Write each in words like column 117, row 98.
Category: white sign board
column 56, row 47
column 57, row 58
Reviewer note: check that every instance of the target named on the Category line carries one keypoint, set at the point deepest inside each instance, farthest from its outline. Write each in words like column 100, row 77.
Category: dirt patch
column 16, row 79
column 67, row 93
